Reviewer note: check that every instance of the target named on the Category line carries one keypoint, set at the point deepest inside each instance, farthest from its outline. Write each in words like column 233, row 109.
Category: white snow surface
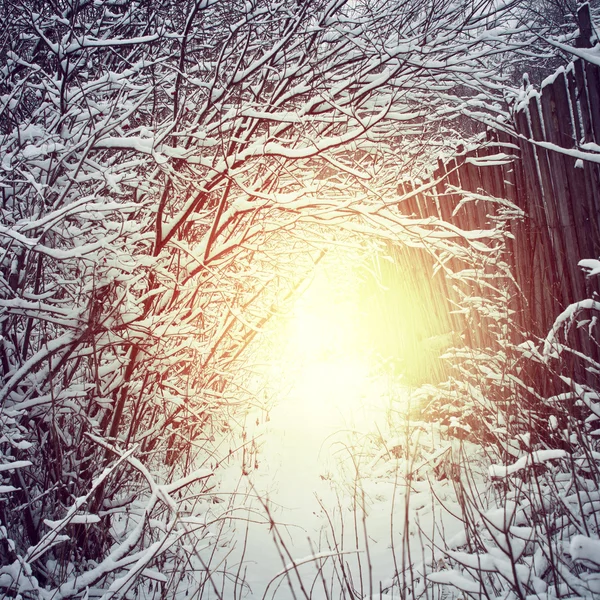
column 303, row 491
column 585, row 550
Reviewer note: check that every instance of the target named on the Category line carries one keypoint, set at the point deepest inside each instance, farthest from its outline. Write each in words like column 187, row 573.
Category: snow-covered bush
column 170, row 173
column 531, row 522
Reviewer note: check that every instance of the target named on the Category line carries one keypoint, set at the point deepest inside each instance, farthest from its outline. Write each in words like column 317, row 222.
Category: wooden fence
column 558, row 192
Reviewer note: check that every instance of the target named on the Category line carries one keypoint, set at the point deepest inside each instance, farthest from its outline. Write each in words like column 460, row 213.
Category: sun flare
column 324, row 325
column 332, row 370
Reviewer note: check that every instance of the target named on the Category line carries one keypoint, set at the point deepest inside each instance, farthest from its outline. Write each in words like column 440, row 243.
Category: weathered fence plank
column 592, row 76
column 559, row 194
column 555, row 109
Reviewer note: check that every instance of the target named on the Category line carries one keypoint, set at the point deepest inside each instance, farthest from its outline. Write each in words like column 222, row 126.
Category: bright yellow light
column 405, row 325
column 334, row 392
column 331, row 368
column 343, row 335
column 323, row 325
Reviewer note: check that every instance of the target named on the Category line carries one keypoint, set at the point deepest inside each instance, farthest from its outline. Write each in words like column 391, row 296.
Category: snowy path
column 300, row 455
column 296, row 462
column 324, row 513
column 303, row 498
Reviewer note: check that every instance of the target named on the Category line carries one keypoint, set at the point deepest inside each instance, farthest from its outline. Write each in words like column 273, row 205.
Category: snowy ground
column 303, row 523
column 302, row 503
column 300, row 473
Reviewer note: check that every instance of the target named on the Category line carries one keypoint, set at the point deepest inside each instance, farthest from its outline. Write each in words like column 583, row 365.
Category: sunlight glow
column 399, row 327
column 323, row 326
column 333, row 370
column 349, row 340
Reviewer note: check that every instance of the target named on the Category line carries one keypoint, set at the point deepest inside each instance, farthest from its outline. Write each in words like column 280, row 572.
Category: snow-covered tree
column 170, row 173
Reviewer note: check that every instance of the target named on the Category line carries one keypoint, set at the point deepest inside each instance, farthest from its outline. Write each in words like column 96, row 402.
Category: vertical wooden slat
column 480, row 209
column 429, row 199
column 591, row 175
column 473, row 170
column 583, row 101
column 584, row 20
column 439, row 174
column 584, row 217
column 508, row 170
column 592, row 76
column 555, row 110
column 450, row 200
column 443, row 204
column 418, row 200
column 523, row 257
column 518, row 254
column 468, row 218
column 402, row 206
column 464, row 215
column 559, row 262
column 424, row 202
column 487, row 180
column 410, row 206
column 572, row 86
column 591, row 171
